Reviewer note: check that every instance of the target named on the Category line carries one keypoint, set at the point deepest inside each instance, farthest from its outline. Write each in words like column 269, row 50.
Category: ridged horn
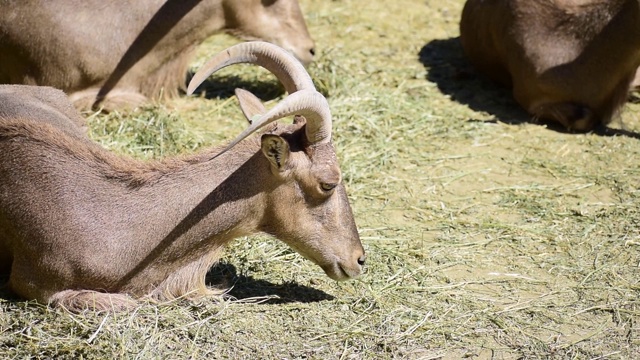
column 308, row 103
column 283, row 65
column 291, row 73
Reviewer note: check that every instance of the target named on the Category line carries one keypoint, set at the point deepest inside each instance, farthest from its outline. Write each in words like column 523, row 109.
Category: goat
column 81, row 227
column 635, row 84
column 568, row 61
column 118, row 54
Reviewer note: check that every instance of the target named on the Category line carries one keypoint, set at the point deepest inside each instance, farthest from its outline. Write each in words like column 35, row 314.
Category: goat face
column 309, row 209
column 306, row 204
column 276, row 21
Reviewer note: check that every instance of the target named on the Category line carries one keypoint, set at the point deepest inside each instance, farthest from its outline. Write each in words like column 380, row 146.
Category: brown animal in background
column 570, row 61
column 635, row 84
column 118, row 54
column 81, row 227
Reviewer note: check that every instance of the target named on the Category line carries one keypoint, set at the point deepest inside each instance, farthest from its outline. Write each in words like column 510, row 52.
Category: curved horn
column 291, row 73
column 308, row 103
column 283, row 65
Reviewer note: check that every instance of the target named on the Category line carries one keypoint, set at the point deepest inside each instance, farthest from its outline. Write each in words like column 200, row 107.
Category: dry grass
column 488, row 236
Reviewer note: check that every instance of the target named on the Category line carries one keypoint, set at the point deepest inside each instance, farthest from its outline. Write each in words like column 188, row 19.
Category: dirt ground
column 488, row 235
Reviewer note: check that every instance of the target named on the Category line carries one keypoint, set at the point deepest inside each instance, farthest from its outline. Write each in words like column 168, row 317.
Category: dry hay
column 488, row 236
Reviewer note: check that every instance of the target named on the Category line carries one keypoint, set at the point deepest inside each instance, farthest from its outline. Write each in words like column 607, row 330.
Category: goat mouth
column 334, row 269
column 338, row 272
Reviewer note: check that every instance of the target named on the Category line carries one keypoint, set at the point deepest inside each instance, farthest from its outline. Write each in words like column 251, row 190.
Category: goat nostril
column 313, row 52
column 362, row 259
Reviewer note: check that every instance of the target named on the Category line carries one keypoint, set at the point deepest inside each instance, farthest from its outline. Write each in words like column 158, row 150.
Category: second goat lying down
column 82, row 227
column 569, row 61
column 119, row 53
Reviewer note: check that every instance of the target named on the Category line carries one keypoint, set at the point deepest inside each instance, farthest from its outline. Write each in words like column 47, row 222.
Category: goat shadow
column 223, row 87
column 449, row 69
column 242, row 288
column 5, row 293
column 246, row 287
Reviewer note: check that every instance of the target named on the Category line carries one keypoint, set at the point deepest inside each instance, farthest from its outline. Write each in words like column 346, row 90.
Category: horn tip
column 191, row 89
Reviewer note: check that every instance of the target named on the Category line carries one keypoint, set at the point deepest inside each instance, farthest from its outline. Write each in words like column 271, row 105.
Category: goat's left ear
column 250, row 105
column 276, row 149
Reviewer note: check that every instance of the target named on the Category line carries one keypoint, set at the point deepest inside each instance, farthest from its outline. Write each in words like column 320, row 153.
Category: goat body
column 117, row 54
column 82, row 227
column 570, row 61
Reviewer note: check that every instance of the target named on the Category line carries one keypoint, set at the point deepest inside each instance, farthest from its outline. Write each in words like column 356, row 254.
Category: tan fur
column 570, row 61
column 635, row 84
column 81, row 227
column 118, row 54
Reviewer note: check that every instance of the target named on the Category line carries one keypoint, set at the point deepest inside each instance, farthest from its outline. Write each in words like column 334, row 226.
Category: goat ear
column 276, row 150
column 250, row 105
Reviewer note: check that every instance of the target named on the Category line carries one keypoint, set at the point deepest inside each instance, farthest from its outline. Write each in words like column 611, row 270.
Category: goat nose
column 362, row 259
column 312, row 51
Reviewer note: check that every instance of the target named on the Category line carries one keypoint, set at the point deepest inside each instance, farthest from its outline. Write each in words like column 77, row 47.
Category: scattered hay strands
column 488, row 236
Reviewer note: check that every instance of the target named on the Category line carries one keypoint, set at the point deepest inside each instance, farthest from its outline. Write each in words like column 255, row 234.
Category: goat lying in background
column 569, row 61
column 82, row 227
column 118, row 54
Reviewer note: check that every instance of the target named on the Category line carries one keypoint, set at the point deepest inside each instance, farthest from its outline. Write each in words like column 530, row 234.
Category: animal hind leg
column 116, row 99
column 42, row 285
column 573, row 116
column 79, row 300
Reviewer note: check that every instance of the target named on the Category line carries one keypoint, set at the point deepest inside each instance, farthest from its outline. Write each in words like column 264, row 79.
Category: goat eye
column 327, row 186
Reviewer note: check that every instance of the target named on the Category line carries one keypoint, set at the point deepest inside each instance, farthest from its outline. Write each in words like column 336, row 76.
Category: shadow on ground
column 448, row 68
column 245, row 287
column 242, row 288
column 222, row 87
column 5, row 293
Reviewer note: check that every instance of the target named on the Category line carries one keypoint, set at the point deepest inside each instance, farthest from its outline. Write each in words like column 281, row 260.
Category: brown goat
column 635, row 84
column 117, row 54
column 81, row 227
column 569, row 61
